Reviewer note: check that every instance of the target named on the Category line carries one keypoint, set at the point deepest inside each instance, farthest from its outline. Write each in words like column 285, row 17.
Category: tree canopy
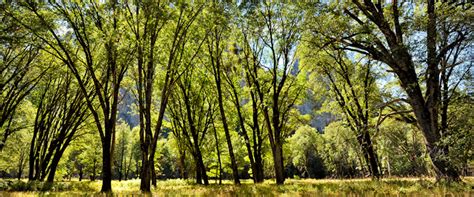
column 246, row 90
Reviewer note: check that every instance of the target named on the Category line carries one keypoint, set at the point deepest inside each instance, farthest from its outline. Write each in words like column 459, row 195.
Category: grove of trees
column 149, row 90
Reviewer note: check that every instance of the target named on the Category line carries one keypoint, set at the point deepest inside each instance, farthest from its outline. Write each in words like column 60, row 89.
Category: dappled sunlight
column 236, row 98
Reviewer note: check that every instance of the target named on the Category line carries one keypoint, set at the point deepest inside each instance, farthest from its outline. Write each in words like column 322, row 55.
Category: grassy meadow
column 292, row 187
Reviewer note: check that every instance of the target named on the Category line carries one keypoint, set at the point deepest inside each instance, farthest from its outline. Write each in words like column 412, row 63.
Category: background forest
column 210, row 91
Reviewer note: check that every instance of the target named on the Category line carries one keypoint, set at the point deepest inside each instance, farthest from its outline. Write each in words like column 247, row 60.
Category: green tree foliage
column 21, row 66
column 390, row 33
column 305, row 152
column 248, row 90
column 401, row 149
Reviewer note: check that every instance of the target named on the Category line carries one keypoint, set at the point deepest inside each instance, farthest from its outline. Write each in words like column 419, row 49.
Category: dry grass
column 292, row 187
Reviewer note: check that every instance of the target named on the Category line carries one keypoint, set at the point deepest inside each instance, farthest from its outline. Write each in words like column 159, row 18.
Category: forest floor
column 292, row 187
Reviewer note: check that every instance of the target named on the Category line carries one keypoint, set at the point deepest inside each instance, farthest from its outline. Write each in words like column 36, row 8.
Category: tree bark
column 425, row 106
column 153, row 173
column 20, row 166
column 217, row 78
column 244, row 131
column 80, row 174
column 201, row 166
column 182, row 164
column 145, row 172
column 106, row 161
column 218, row 154
column 198, row 172
column 369, row 153
column 279, row 168
column 54, row 165
column 257, row 135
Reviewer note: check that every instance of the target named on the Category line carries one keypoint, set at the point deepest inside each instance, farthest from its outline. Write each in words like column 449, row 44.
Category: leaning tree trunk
column 235, row 170
column 54, row 166
column 430, row 111
column 426, row 115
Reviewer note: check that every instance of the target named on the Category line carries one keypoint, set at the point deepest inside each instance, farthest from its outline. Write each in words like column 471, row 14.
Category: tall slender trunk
column 218, row 155
column 121, row 159
column 257, row 136
column 20, row 168
column 20, row 172
column 31, row 161
column 233, row 161
column 127, row 171
column 244, row 132
column 216, row 67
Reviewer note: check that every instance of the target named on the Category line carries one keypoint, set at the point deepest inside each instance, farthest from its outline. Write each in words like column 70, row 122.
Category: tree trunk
column 182, row 164
column 54, row 166
column 106, row 163
column 235, row 170
column 244, row 133
column 216, row 67
column 372, row 156
column 80, row 174
column 31, row 161
column 94, row 171
column 20, row 168
column 443, row 168
column 129, row 163
column 278, row 164
column 121, row 160
column 200, row 165
column 276, row 141
column 259, row 176
column 37, row 173
column 198, row 172
column 218, row 155
column 153, row 173
column 145, row 172
column 20, row 171
column 257, row 139
column 369, row 153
